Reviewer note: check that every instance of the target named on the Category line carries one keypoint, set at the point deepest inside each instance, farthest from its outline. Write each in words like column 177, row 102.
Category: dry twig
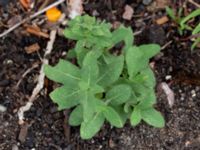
column 194, row 3
column 40, row 82
column 166, row 45
column 169, row 93
column 25, row 73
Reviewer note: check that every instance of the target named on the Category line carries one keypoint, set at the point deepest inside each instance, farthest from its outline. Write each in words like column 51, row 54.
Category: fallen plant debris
column 162, row 20
column 40, row 82
column 27, row 4
column 35, row 30
column 32, row 48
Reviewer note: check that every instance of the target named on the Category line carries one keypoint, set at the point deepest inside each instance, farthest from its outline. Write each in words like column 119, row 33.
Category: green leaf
column 109, row 73
column 145, row 77
column 147, row 100
column 119, row 94
column 113, row 117
column 134, row 61
column 88, row 103
column 123, row 34
column 97, row 89
column 66, row 97
column 195, row 43
column 193, row 14
column 100, row 106
column 76, row 116
column 89, row 29
column 153, row 117
column 135, row 116
column 72, row 34
column 81, row 51
column 196, row 29
column 64, row 72
column 150, row 50
column 120, row 110
column 90, row 128
column 171, row 13
column 71, row 54
column 90, row 70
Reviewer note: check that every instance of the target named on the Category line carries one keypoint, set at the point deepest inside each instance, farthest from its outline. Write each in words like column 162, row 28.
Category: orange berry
column 53, row 14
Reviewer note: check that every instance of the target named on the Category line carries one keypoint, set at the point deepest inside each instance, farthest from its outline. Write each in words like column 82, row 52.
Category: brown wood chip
column 36, row 31
column 32, row 48
column 162, row 20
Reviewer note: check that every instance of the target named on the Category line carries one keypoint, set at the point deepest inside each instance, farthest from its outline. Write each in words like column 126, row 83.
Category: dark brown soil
column 47, row 128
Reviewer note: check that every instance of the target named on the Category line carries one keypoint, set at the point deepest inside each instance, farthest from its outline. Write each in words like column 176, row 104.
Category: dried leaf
column 27, row 4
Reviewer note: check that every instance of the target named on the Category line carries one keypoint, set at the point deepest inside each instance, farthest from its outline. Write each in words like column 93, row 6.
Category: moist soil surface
column 47, row 129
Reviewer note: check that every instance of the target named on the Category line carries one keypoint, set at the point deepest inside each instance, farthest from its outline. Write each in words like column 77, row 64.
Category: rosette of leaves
column 92, row 34
column 103, row 86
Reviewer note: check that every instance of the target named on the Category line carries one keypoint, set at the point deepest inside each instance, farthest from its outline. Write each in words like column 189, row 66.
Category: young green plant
column 107, row 84
column 182, row 23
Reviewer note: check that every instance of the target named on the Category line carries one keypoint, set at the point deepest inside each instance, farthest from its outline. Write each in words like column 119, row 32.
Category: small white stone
column 15, row 147
column 193, row 92
column 168, row 77
column 8, row 62
column 92, row 141
column 64, row 53
column 2, row 108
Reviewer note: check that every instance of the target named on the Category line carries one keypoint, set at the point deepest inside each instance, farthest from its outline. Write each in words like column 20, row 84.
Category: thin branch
column 31, row 17
column 41, row 77
column 166, row 45
column 24, row 74
column 194, row 3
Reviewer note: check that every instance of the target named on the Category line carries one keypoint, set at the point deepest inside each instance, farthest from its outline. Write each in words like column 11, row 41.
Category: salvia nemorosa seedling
column 105, row 85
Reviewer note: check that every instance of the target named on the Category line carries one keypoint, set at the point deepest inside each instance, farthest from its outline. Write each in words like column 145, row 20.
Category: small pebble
column 193, row 93
column 2, row 108
column 95, row 13
column 168, row 77
column 15, row 147
column 170, row 69
column 146, row 2
column 8, row 62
